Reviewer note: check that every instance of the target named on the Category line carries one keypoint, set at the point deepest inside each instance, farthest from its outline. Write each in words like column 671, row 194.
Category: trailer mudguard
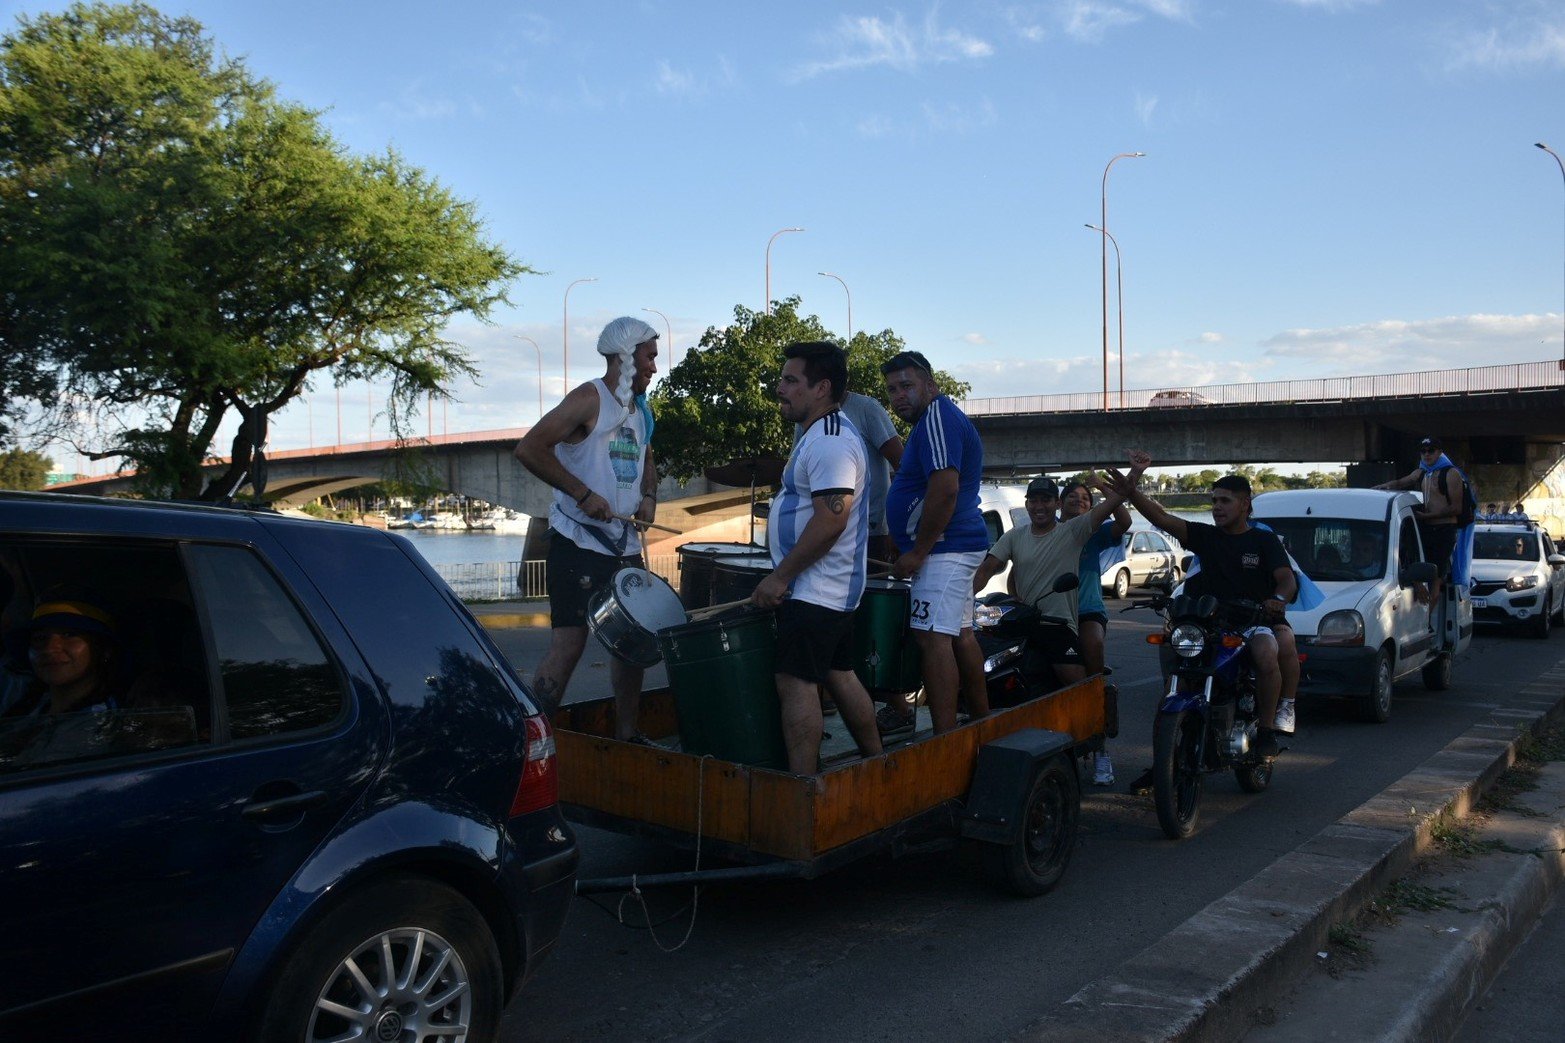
column 1005, row 770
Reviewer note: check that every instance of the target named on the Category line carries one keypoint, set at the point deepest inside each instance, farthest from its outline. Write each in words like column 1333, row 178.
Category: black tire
column 1540, row 622
column 1254, row 778
column 402, row 915
column 1033, row 863
column 1176, row 772
column 1437, row 673
column 1375, row 706
column 1122, row 584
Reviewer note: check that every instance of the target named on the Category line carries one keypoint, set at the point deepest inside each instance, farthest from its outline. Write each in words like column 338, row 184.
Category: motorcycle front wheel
column 1176, row 772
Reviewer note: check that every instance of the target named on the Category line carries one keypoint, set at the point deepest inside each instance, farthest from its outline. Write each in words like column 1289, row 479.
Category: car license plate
column 1480, row 603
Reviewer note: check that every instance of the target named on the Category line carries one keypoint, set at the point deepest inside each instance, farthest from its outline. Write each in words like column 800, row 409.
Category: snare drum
column 696, row 562
column 735, row 576
column 627, row 614
column 885, row 655
column 720, row 671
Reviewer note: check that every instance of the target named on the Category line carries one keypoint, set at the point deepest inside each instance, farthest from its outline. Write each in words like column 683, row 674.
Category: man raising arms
column 1238, row 560
column 594, row 449
column 817, row 533
column 932, row 512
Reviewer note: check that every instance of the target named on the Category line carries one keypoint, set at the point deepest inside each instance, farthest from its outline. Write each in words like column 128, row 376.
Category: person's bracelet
column 582, row 497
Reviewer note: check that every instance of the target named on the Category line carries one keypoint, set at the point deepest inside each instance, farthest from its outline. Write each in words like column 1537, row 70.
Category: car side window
column 1139, row 544
column 992, row 523
column 1408, row 550
column 276, row 677
column 1019, row 517
column 1156, row 542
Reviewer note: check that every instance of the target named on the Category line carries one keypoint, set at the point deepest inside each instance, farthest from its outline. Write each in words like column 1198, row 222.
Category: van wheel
column 1437, row 673
column 1376, row 707
column 1540, row 624
column 1122, row 584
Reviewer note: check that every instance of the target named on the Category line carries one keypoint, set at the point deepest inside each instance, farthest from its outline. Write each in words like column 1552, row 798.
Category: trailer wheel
column 1035, row 860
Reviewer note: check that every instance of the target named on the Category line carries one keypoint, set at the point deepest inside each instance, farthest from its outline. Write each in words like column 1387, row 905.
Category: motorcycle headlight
column 1343, row 627
column 1521, row 582
column 986, row 616
column 1187, row 640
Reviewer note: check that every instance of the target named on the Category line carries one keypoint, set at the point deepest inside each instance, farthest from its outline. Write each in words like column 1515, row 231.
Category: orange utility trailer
column 1007, row 781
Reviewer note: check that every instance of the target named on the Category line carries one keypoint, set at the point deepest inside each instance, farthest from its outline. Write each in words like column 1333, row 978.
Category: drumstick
column 877, row 561
column 702, row 613
column 650, row 525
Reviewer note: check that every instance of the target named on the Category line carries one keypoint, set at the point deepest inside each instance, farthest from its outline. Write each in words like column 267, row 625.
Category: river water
column 465, row 548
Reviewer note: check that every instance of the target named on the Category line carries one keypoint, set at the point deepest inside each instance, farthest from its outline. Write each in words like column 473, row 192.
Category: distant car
column 1152, row 559
column 1518, row 577
column 1178, row 398
column 320, row 806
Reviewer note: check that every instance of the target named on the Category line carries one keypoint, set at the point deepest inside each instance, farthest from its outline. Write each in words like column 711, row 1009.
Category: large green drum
column 696, row 564
column 884, row 653
column 720, row 671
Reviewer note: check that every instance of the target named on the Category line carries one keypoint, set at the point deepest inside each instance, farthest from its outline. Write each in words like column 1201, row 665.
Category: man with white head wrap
column 594, row 449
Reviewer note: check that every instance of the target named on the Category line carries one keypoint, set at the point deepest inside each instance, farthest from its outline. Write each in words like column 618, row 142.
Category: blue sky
column 1330, row 186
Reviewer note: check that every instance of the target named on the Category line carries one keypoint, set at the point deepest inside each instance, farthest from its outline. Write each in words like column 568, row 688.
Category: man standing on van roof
column 1238, row 560
column 1441, row 484
column 932, row 511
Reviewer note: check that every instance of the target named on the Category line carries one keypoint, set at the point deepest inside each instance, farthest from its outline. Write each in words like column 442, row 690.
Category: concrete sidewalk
column 511, row 615
column 1222, row 973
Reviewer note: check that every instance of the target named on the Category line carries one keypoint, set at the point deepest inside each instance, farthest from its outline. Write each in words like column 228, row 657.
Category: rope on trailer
column 695, row 896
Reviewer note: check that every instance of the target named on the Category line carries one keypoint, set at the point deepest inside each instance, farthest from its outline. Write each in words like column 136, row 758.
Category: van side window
column 992, row 523
column 276, row 678
column 1407, row 544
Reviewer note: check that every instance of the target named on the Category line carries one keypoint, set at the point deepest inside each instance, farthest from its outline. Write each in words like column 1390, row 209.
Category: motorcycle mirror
column 1206, row 606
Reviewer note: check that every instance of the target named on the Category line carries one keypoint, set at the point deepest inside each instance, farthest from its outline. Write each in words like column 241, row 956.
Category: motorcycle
column 1208, row 720
column 1019, row 643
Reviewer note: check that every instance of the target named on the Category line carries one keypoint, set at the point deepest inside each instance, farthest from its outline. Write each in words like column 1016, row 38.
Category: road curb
column 1204, row 978
column 512, row 620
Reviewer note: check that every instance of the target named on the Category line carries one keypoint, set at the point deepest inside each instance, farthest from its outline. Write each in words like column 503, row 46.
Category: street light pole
column 1561, row 163
column 565, row 333
column 540, row 370
column 831, row 275
column 769, row 243
column 1104, row 224
column 669, row 344
column 1119, row 293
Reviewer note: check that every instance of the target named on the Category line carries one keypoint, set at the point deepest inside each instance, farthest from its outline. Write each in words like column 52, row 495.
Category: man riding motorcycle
column 1238, row 561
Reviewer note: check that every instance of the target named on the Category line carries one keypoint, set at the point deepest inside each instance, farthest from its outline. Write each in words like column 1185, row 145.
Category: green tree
column 21, row 469
column 179, row 244
column 719, row 403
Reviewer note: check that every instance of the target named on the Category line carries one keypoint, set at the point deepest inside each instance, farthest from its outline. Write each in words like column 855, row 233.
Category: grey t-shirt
column 875, row 426
column 1037, row 561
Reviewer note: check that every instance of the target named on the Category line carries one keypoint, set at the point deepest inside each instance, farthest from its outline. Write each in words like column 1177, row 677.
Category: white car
column 1004, row 507
column 1152, row 559
column 1518, row 577
column 1360, row 547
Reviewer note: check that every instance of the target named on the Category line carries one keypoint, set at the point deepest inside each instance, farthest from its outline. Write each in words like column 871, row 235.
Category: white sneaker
column 1102, row 770
column 1285, row 716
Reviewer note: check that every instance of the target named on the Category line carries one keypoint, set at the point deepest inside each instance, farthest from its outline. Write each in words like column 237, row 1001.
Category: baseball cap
column 1044, row 487
column 1234, row 483
column 76, row 615
column 1429, row 443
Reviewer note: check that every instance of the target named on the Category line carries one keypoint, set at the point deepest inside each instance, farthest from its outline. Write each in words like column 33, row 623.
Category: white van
column 1356, row 544
column 1004, row 507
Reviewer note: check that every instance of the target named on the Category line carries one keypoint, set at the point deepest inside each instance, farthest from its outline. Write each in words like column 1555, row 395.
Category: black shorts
column 1057, row 644
column 1100, row 618
column 574, row 575
column 1439, row 542
column 812, row 640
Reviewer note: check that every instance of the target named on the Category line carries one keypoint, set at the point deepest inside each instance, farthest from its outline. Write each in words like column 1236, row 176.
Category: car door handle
column 284, row 807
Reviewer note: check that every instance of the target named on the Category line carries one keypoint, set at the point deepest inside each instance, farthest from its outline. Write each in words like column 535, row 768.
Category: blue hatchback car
column 260, row 778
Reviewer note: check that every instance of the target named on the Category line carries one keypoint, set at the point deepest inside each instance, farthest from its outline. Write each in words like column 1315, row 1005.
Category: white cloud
column 957, row 119
column 868, row 42
column 1532, row 41
column 975, row 338
column 1090, row 20
column 1210, row 338
column 1329, row 5
column 1026, row 23
column 674, row 81
column 681, row 83
column 1396, row 345
column 1146, row 105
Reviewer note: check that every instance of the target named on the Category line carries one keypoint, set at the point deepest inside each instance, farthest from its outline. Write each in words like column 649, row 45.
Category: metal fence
column 1423, row 384
column 511, row 580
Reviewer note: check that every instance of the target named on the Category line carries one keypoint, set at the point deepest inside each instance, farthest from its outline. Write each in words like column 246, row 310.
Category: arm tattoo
column 834, row 503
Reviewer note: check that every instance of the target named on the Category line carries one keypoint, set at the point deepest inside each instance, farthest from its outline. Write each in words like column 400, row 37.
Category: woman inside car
column 73, row 657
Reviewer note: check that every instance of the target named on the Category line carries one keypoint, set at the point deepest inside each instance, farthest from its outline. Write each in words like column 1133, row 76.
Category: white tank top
column 610, row 461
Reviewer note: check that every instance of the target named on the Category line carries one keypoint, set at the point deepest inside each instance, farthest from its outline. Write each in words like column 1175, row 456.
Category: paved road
column 921, row 948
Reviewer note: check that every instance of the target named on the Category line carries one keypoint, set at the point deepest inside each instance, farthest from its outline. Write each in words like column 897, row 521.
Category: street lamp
column 1561, row 162
column 831, row 275
column 669, row 344
column 769, row 243
column 1103, row 224
column 1119, row 292
column 565, row 332
column 540, row 370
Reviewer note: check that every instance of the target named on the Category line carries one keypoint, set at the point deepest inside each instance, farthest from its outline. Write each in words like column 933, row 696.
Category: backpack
column 1469, row 498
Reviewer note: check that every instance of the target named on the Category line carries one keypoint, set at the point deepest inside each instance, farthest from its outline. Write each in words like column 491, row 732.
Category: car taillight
column 539, row 787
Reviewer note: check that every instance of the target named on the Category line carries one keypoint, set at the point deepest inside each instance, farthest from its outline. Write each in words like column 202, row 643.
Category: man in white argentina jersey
column 818, row 531
column 594, row 448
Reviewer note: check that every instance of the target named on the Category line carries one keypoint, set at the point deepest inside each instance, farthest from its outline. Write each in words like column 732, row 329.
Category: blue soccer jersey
column 942, row 438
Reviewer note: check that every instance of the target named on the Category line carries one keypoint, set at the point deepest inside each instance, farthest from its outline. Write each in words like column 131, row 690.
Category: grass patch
column 1522, row 777
column 1542, row 746
column 1459, row 838
column 1348, row 949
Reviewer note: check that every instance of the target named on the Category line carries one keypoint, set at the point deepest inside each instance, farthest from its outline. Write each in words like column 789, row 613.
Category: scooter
column 1208, row 720
column 1019, row 644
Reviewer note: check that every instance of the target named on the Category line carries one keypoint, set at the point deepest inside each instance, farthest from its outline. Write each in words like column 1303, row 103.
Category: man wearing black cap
column 1441, row 484
column 1238, row 560
column 1041, row 553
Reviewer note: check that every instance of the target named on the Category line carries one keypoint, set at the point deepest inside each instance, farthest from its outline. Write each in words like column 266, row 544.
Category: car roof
column 1368, row 504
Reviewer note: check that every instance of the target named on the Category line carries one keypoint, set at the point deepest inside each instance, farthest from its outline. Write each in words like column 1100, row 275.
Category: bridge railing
column 1422, row 384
